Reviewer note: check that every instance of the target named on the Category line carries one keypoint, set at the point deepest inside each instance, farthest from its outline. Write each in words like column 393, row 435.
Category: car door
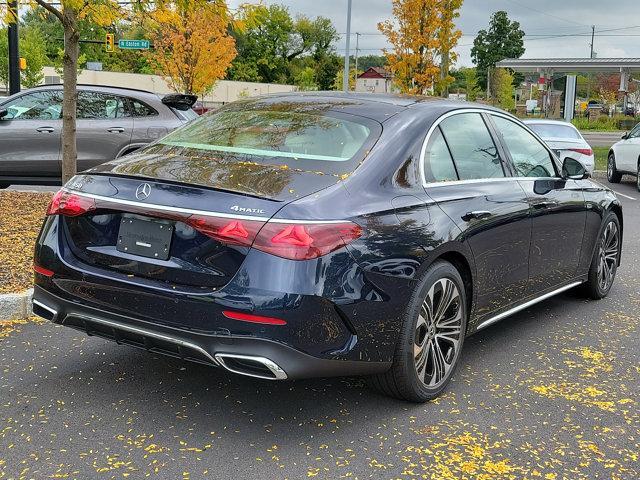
column 104, row 127
column 628, row 152
column 466, row 175
column 557, row 206
column 30, row 135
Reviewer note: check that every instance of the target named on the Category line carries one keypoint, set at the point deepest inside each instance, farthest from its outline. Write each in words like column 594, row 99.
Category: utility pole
column 14, row 56
column 593, row 34
column 345, row 76
column 357, row 50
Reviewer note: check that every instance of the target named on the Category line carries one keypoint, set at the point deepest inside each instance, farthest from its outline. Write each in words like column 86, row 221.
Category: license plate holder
column 145, row 238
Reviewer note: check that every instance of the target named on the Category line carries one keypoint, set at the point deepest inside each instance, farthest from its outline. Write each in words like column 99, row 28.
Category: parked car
column 565, row 140
column 624, row 157
column 111, row 122
column 324, row 234
column 200, row 109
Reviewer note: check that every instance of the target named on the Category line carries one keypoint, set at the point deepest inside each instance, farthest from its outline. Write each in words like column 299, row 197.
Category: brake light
column 583, row 151
column 305, row 241
column 294, row 241
column 246, row 317
column 70, row 205
column 231, row 232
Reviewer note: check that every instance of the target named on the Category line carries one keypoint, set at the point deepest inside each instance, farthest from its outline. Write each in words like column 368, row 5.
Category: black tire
column 401, row 380
column 638, row 176
column 612, row 173
column 594, row 286
column 4, row 185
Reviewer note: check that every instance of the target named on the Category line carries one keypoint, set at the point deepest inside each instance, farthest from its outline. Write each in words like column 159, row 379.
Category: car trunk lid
column 186, row 236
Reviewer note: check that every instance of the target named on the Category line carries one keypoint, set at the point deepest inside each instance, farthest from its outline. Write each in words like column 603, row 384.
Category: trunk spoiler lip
column 141, row 178
column 206, row 213
column 179, row 101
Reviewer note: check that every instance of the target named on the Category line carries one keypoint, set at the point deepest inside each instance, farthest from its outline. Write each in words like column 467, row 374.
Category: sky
column 569, row 21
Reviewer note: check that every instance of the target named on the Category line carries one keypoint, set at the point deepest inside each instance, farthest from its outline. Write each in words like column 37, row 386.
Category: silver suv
column 111, row 122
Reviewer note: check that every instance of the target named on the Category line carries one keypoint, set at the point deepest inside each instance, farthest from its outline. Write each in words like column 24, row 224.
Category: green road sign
column 133, row 44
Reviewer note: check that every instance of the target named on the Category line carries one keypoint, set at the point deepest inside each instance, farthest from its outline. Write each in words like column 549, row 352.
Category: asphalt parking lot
column 550, row 393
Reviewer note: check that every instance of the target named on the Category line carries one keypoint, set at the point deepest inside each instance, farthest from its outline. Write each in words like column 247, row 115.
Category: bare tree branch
column 51, row 9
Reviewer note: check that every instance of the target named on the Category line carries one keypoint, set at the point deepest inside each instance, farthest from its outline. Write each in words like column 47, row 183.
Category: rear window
column 275, row 151
column 549, row 130
column 269, row 135
column 187, row 115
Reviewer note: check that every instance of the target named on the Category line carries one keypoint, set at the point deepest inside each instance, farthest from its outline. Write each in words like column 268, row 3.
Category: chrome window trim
column 190, row 211
column 522, row 306
column 481, row 111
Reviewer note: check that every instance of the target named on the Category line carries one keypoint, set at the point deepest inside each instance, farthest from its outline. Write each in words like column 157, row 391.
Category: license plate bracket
column 145, row 238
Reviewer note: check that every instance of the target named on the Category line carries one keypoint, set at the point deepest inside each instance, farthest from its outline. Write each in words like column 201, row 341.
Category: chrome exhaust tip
column 251, row 366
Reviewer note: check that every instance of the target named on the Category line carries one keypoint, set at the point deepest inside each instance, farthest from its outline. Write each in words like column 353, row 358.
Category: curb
column 16, row 306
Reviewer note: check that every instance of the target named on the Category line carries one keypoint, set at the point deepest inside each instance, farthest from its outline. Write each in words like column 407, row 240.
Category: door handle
column 477, row 215
column 115, row 130
column 545, row 204
column 45, row 130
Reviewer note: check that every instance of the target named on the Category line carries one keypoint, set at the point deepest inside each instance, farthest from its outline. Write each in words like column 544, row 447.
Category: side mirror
column 3, row 112
column 625, row 136
column 574, row 170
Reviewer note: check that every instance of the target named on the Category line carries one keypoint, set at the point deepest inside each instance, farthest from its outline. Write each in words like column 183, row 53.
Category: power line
column 546, row 13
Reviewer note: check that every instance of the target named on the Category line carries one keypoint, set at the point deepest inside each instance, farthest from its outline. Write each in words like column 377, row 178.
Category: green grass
column 604, row 123
column 601, row 154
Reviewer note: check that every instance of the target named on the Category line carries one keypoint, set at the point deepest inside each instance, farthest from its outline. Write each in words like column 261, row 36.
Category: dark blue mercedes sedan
column 325, row 234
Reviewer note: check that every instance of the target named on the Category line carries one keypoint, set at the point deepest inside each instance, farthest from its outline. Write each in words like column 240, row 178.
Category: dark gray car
column 111, row 122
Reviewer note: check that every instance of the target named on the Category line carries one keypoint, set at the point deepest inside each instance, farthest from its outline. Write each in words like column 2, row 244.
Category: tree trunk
column 70, row 93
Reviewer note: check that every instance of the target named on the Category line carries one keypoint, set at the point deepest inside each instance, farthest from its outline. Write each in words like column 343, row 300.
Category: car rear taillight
column 583, row 151
column 305, row 241
column 230, row 232
column 295, row 241
column 70, row 205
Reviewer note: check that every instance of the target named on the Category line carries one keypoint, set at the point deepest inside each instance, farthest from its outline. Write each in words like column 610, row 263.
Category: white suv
column 624, row 157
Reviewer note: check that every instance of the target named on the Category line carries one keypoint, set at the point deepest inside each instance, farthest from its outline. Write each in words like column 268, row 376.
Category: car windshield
column 552, row 130
column 265, row 135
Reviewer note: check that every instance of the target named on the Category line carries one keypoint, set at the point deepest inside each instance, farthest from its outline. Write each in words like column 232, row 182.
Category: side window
column 474, row 153
column 438, row 164
column 100, row 106
column 635, row 133
column 43, row 105
column 142, row 109
column 530, row 157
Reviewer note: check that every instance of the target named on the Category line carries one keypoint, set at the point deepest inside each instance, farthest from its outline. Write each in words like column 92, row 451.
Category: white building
column 224, row 91
column 375, row 80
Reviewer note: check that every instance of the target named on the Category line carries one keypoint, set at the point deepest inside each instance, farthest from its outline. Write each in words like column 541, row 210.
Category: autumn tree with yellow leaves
column 423, row 35
column 192, row 46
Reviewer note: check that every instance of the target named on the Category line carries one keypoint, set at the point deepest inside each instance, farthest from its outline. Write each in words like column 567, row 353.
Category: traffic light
column 23, row 63
column 109, row 43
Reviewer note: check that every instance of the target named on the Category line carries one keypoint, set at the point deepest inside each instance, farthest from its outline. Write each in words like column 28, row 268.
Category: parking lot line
column 623, row 195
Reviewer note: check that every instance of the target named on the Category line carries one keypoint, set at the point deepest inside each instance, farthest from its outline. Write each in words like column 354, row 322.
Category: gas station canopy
column 571, row 65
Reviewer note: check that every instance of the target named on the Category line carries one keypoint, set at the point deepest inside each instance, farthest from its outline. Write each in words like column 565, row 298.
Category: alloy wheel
column 608, row 255
column 438, row 333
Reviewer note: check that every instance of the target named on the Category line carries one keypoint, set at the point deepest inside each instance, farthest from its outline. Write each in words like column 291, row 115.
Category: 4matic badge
column 237, row 208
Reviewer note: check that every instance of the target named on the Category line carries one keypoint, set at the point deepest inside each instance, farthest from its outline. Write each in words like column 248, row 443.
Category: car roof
column 376, row 106
column 134, row 92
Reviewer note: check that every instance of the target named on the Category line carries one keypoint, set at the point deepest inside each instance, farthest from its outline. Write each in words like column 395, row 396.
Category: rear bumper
column 256, row 357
